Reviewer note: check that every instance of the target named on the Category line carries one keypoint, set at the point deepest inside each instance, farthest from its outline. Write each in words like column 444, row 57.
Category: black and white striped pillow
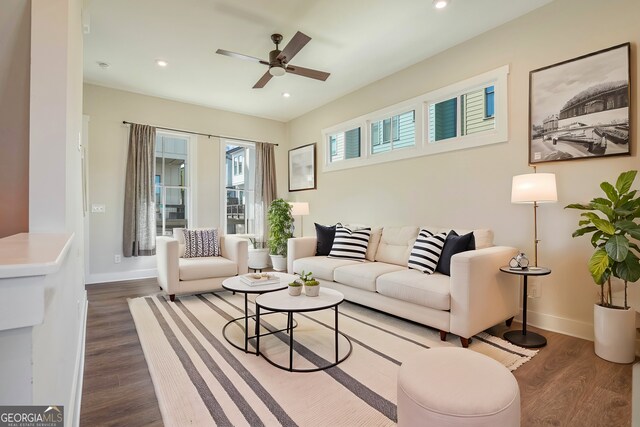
column 426, row 251
column 349, row 244
column 201, row 243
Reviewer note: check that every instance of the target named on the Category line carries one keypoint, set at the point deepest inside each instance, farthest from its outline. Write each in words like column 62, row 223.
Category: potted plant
column 295, row 288
column 612, row 222
column 280, row 230
column 311, row 285
column 258, row 254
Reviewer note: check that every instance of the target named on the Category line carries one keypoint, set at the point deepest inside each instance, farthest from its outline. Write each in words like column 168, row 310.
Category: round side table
column 524, row 338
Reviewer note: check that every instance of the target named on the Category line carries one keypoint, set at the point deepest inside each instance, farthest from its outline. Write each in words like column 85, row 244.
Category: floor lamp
column 300, row 209
column 534, row 188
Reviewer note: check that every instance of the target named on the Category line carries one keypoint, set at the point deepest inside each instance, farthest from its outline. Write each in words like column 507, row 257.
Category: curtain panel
column 139, row 228
column 265, row 185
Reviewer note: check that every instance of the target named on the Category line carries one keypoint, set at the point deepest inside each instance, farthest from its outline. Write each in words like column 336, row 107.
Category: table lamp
column 300, row 209
column 534, row 188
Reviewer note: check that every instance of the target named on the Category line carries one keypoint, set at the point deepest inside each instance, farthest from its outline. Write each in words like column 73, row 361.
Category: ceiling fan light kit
column 277, row 71
column 279, row 60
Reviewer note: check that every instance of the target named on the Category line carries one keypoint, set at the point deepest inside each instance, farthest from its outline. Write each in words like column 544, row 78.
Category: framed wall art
column 302, row 168
column 580, row 108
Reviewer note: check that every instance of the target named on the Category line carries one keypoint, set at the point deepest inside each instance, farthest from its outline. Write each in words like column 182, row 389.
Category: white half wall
column 108, row 142
column 471, row 188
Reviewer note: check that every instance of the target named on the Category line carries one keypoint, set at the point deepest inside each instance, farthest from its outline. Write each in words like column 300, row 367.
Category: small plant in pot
column 612, row 222
column 311, row 285
column 280, row 230
column 295, row 288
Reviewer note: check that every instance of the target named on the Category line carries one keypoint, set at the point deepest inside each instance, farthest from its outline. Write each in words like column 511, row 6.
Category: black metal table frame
column 289, row 330
column 525, row 338
column 246, row 318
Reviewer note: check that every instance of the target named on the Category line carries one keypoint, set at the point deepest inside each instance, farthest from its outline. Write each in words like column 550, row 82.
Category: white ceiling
column 357, row 41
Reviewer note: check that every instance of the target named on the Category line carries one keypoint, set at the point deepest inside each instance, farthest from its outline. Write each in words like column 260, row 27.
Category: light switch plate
column 98, row 208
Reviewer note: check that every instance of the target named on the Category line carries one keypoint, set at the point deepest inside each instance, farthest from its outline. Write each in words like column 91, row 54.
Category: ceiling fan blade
column 241, row 56
column 293, row 47
column 307, row 72
column 263, row 81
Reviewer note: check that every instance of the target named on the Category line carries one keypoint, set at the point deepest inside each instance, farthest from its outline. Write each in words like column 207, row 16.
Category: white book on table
column 257, row 282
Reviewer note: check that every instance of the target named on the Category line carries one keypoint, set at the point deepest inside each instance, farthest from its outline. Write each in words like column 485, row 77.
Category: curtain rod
column 203, row 134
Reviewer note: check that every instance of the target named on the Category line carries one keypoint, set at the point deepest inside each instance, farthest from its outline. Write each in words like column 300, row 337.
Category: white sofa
column 178, row 275
column 475, row 297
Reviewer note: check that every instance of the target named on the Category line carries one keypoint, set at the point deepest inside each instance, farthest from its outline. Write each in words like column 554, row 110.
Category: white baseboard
column 574, row 328
column 121, row 276
column 76, row 387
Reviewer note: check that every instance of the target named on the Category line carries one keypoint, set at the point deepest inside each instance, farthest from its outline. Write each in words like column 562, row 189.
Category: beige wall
column 471, row 188
column 107, row 108
column 15, row 30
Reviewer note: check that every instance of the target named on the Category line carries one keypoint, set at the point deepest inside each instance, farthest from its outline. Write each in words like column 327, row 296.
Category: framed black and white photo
column 302, row 168
column 579, row 108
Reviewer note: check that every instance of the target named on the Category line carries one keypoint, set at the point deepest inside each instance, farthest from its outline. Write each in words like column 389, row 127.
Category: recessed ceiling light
column 102, row 64
column 286, row 94
column 161, row 63
column 440, row 4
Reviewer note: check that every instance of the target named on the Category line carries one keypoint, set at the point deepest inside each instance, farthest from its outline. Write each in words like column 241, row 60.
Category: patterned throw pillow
column 349, row 244
column 201, row 243
column 426, row 251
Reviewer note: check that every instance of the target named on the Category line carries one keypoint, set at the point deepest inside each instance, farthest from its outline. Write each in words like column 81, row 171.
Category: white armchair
column 178, row 275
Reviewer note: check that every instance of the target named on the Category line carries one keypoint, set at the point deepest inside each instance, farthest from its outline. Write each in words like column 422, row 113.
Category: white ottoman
column 456, row 387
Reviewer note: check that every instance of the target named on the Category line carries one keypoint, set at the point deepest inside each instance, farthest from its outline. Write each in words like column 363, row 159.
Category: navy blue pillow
column 454, row 245
column 325, row 236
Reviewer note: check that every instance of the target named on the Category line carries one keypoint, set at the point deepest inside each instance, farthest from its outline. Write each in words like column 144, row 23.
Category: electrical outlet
column 533, row 290
column 117, row 258
column 98, row 208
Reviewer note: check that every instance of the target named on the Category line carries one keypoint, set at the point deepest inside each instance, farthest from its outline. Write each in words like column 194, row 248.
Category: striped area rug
column 201, row 380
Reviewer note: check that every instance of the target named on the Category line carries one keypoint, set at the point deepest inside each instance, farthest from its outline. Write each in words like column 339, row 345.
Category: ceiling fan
column 279, row 60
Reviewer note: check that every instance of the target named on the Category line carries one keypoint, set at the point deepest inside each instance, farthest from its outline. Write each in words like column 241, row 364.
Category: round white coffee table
column 235, row 284
column 281, row 301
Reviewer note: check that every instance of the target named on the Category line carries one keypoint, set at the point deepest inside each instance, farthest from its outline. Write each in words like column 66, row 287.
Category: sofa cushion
column 483, row 236
column 322, row 267
column 206, row 268
column 363, row 275
column 429, row 290
column 374, row 242
column 454, row 245
column 350, row 244
column 395, row 245
column 426, row 251
column 324, row 238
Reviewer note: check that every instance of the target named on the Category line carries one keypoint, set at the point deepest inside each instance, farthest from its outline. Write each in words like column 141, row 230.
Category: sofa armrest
column 481, row 295
column 236, row 249
column 299, row 247
column 167, row 263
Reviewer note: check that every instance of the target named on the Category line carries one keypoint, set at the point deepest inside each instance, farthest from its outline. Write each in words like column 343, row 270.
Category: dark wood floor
column 566, row 384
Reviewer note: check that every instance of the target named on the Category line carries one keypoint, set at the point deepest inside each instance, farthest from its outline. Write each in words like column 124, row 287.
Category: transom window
column 475, row 113
column 344, row 145
column 467, row 114
column 393, row 133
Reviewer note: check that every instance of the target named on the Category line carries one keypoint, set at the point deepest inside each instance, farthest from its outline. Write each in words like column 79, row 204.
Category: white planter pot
column 258, row 258
column 312, row 291
column 614, row 334
column 279, row 262
column 295, row 290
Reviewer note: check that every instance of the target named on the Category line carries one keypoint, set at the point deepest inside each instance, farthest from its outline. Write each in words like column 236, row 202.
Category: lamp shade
column 299, row 208
column 534, row 187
